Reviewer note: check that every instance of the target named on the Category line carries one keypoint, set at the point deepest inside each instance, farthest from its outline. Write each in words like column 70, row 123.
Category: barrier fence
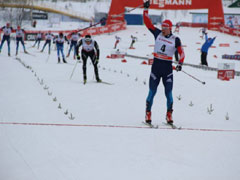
column 223, row 29
column 30, row 34
column 237, row 73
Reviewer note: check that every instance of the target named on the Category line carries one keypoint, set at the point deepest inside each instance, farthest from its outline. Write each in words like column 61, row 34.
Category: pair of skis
column 102, row 82
column 165, row 124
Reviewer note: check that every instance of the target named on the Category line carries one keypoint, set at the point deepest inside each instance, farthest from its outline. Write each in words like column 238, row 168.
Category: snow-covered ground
column 102, row 136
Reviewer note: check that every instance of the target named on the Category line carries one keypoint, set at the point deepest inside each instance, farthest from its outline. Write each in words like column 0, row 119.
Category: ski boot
column 84, row 79
column 169, row 116
column 64, row 60
column 9, row 54
column 16, row 54
column 98, row 80
column 68, row 55
column 148, row 119
column 58, row 59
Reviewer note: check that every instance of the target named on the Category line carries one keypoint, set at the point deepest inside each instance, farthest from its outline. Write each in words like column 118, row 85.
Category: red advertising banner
column 228, row 30
column 226, row 74
column 215, row 9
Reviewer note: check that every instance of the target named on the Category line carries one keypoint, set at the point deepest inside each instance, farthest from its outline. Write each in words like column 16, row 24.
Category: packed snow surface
column 102, row 136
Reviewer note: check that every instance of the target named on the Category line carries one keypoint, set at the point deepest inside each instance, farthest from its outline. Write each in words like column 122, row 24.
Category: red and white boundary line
column 117, row 126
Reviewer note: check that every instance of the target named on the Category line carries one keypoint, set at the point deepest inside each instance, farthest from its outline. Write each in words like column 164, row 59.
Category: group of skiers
column 7, row 30
column 118, row 39
column 166, row 46
column 90, row 47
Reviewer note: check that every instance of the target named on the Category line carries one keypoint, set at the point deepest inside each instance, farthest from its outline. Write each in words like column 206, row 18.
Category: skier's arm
column 148, row 23
column 212, row 40
column 54, row 39
column 180, row 50
column 206, row 36
column 66, row 39
column 77, row 48
column 97, row 49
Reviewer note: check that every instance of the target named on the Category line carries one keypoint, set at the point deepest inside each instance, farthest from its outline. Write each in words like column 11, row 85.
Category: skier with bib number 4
column 165, row 46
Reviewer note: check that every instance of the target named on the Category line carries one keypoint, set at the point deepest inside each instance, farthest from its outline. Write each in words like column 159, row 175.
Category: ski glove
column 179, row 67
column 146, row 4
column 97, row 60
column 78, row 57
column 103, row 20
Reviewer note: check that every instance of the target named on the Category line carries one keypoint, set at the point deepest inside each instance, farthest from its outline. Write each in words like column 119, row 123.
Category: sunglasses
column 165, row 28
column 88, row 39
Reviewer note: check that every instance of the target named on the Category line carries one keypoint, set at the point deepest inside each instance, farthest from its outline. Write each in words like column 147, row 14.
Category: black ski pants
column 204, row 58
column 92, row 55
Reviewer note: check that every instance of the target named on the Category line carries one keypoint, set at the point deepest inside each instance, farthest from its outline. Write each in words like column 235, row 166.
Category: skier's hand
column 97, row 60
column 78, row 57
column 179, row 67
column 103, row 20
column 146, row 4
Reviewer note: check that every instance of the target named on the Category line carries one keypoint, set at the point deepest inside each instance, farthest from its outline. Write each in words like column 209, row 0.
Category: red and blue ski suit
column 165, row 47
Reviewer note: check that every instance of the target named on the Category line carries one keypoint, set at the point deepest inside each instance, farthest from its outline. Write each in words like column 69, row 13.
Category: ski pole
column 203, row 82
column 74, row 69
column 105, row 19
column 101, row 21
column 194, row 77
column 47, row 58
column 119, row 15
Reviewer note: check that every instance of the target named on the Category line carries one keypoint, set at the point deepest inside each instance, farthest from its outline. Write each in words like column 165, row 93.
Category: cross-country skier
column 19, row 38
column 7, row 30
column 118, row 39
column 90, row 49
column 204, row 50
column 38, row 39
column 74, row 39
column 134, row 39
column 48, row 38
column 59, row 40
column 165, row 45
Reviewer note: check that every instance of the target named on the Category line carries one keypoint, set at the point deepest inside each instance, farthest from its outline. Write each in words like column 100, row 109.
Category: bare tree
column 14, row 15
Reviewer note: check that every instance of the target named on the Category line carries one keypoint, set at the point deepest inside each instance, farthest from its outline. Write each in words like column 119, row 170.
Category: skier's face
column 166, row 30
column 88, row 42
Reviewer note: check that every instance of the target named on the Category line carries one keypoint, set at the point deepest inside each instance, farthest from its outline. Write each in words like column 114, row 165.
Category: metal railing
column 48, row 7
column 237, row 73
